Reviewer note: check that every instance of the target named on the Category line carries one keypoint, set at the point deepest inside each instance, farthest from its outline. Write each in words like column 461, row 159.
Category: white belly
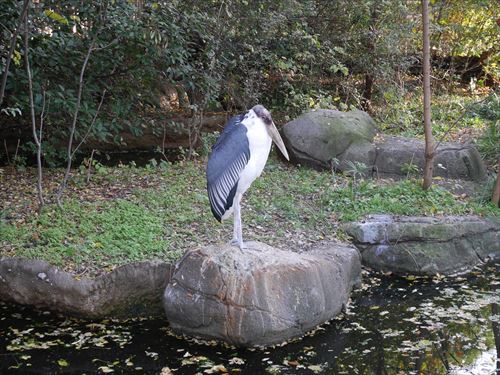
column 260, row 145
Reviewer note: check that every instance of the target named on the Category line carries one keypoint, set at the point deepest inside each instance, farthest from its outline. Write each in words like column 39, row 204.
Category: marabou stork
column 237, row 159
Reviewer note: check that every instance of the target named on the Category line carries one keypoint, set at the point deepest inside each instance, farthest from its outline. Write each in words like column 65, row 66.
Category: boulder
column 131, row 290
column 452, row 160
column 318, row 137
column 426, row 245
column 260, row 296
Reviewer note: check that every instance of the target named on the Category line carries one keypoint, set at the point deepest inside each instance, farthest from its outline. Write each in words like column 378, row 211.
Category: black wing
column 229, row 157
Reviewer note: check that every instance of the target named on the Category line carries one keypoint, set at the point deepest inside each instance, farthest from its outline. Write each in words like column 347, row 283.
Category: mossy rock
column 318, row 137
column 426, row 245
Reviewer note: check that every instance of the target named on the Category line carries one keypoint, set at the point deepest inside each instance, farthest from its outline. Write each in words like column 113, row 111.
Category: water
column 392, row 326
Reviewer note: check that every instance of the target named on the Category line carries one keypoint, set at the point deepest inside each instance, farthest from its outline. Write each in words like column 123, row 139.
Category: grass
column 287, row 207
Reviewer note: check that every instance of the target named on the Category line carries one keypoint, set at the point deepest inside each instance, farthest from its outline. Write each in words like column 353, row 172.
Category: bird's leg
column 237, row 231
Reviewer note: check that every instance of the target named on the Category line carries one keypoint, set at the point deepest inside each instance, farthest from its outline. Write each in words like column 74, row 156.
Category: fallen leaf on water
column 236, row 361
column 216, row 368
column 62, row 363
column 315, row 368
column 105, row 369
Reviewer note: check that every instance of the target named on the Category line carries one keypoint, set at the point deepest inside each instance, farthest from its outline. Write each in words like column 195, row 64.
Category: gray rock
column 317, row 137
column 132, row 290
column 260, row 296
column 426, row 245
column 452, row 160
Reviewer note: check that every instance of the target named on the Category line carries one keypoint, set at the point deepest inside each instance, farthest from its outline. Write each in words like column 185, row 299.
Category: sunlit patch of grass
column 404, row 197
column 106, row 233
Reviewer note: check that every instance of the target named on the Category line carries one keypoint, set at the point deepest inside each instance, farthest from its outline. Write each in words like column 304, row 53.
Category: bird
column 238, row 157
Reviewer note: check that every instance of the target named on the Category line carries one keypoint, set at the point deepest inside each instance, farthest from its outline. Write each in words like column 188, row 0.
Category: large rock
column 426, row 245
column 132, row 290
column 260, row 296
column 452, row 160
column 318, row 137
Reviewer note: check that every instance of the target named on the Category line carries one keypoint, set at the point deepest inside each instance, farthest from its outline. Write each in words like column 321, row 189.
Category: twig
column 163, row 142
column 409, row 167
column 15, row 152
column 42, row 117
column 455, row 123
column 32, row 112
column 39, row 153
column 6, row 151
column 91, row 124
column 11, row 49
column 90, row 166
column 73, row 125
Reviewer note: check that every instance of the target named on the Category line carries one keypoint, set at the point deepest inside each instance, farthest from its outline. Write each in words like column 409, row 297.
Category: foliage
column 451, row 115
column 212, row 50
column 468, row 28
column 289, row 55
column 489, row 141
column 411, row 170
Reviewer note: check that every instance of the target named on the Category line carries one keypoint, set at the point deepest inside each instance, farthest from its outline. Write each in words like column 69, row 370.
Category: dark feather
column 229, row 156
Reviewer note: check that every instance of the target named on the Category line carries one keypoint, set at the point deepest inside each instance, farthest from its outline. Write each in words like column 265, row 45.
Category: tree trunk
column 429, row 140
column 367, row 93
column 495, row 199
column 366, row 102
column 37, row 138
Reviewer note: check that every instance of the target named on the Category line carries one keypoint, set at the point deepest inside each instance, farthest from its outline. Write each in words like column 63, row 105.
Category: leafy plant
column 410, row 169
column 356, row 169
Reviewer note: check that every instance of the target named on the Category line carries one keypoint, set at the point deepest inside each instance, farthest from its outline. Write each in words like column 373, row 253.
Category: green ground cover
column 455, row 117
column 129, row 214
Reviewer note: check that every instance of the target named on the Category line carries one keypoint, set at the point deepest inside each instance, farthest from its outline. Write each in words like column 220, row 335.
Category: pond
column 393, row 325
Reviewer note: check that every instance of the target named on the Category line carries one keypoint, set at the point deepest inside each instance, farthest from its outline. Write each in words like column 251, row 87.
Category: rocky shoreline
column 318, row 281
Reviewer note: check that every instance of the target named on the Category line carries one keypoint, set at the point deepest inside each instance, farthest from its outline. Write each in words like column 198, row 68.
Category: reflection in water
column 392, row 326
column 495, row 319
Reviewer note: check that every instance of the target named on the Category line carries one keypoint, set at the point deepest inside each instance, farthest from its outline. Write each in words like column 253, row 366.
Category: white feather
column 259, row 143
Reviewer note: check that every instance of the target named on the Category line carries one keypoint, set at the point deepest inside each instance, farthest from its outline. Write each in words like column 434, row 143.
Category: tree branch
column 91, row 124
column 11, row 49
column 73, row 124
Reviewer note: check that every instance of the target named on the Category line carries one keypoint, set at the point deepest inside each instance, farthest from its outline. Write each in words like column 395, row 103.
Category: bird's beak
column 276, row 137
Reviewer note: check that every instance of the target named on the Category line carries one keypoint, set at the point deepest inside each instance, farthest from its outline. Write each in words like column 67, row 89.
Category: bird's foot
column 240, row 244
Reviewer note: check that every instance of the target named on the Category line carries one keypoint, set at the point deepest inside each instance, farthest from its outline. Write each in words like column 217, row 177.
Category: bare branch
column 42, row 118
column 495, row 197
column 6, row 150
column 73, row 124
column 457, row 120
column 17, row 149
column 91, row 124
column 90, row 166
column 11, row 49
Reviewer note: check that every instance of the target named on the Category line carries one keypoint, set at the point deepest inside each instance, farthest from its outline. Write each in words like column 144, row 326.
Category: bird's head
column 263, row 114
